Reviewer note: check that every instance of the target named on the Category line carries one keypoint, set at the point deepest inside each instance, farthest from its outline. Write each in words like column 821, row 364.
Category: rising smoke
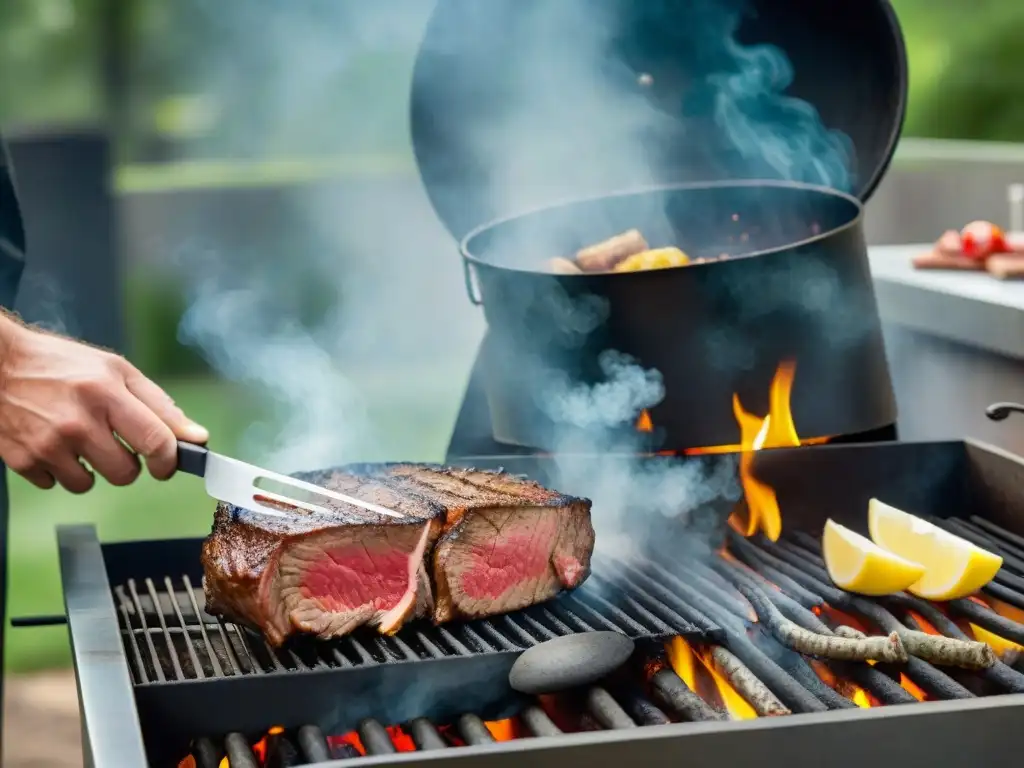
column 281, row 64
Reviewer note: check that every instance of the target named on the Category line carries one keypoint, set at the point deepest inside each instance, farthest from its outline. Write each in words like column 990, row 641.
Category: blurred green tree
column 979, row 91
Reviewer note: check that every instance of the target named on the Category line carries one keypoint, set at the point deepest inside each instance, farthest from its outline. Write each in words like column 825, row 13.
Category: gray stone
column 569, row 662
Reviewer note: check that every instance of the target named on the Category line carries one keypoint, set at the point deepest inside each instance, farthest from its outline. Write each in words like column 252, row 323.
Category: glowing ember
column 351, row 738
column 260, row 747
column 923, row 623
column 644, row 423
column 682, row 658
column 502, row 730
column 1011, row 612
column 861, row 699
column 911, row 687
column 826, row 675
column 846, row 688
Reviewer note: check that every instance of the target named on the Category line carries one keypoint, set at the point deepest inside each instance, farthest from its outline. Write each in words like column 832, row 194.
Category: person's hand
column 63, row 402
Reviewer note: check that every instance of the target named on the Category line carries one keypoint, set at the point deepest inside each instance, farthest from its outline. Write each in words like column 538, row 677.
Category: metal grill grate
column 169, row 637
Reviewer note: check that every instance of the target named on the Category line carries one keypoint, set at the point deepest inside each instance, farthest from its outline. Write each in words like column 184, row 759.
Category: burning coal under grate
column 790, row 642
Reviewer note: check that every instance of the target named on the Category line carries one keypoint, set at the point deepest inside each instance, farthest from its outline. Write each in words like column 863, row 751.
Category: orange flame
column 775, row 430
column 683, row 660
column 644, row 423
column 861, row 698
column 924, row 624
column 911, row 687
column 351, row 738
column 999, row 644
column 259, row 749
column 1004, row 609
column 502, row 730
column 846, row 688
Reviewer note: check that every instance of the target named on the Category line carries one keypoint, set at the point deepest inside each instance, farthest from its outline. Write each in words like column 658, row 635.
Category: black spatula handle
column 192, row 458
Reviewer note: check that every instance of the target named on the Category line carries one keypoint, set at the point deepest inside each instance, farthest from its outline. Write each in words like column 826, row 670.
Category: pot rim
column 854, row 220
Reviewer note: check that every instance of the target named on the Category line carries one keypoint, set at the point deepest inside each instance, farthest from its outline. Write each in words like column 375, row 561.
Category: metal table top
column 971, row 308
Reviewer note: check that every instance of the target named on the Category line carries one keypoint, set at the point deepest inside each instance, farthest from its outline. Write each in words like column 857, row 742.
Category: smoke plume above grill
column 275, row 71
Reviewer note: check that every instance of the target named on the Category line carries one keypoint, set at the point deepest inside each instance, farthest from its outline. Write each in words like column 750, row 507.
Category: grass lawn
column 416, row 424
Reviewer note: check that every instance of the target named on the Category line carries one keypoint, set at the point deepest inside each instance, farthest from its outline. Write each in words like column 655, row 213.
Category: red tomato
column 980, row 239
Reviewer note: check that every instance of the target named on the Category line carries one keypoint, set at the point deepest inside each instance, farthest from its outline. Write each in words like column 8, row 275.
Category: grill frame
column 941, row 733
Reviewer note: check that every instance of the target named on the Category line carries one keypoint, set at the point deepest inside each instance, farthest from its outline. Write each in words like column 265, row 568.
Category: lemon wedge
column 954, row 567
column 857, row 564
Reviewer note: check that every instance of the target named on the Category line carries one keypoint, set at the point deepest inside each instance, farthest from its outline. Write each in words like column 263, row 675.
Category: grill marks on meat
column 469, row 544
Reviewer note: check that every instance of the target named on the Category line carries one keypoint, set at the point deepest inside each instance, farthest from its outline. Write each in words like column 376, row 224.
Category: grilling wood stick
column 793, row 695
column 844, row 631
column 677, row 696
column 753, row 691
column 935, row 649
column 883, row 687
column 793, row 636
column 1001, row 673
column 953, row 649
column 988, row 619
column 725, row 593
column 921, row 672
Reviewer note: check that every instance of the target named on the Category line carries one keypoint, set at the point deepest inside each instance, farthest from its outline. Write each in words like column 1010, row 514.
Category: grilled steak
column 468, row 544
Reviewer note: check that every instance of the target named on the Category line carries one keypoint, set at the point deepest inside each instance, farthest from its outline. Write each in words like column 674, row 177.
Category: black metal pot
column 797, row 287
column 490, row 74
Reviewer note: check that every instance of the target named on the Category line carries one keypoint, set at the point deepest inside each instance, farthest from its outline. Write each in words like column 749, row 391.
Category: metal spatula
column 246, row 486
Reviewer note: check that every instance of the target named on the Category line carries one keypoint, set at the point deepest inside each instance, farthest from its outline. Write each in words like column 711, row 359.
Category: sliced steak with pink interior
column 507, row 543
column 468, row 544
column 323, row 573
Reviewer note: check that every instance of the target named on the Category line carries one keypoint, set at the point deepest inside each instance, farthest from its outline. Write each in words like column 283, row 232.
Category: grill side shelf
column 109, row 717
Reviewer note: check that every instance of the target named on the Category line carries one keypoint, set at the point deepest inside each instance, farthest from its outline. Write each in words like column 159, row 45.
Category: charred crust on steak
column 494, row 542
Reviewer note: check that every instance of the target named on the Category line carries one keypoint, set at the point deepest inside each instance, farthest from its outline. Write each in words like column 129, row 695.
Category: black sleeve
column 12, row 234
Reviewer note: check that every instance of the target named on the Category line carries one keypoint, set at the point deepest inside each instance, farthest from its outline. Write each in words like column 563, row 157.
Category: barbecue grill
column 161, row 682
column 519, row 173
